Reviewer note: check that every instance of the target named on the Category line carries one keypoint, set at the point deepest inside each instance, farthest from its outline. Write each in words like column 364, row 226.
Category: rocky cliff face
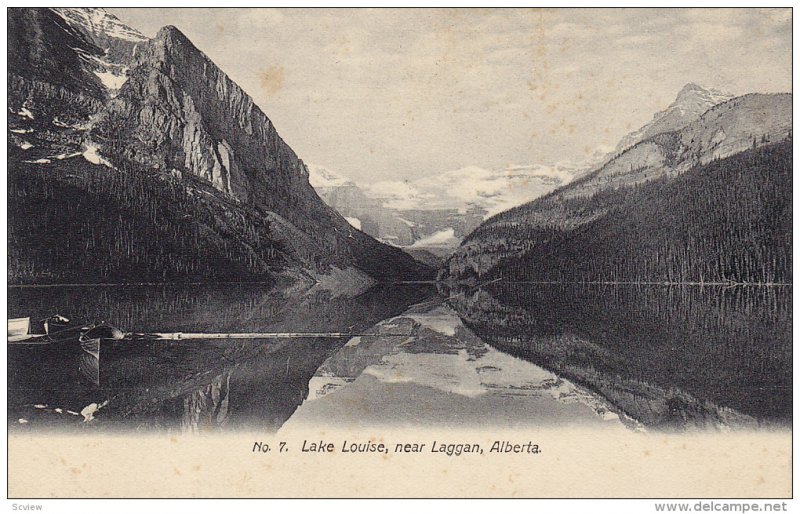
column 48, row 69
column 724, row 130
column 691, row 103
column 92, row 92
column 105, row 31
column 178, row 111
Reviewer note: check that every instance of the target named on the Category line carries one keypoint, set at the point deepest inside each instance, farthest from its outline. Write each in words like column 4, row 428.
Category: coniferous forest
column 72, row 222
column 77, row 222
column 729, row 221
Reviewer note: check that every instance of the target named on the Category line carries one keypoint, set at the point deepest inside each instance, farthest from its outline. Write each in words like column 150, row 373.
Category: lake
column 504, row 355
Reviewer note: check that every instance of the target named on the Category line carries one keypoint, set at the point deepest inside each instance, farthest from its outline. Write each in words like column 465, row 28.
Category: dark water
column 666, row 356
column 183, row 385
column 510, row 355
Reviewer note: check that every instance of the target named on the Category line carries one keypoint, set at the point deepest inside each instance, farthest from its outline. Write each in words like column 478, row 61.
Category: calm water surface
column 505, row 356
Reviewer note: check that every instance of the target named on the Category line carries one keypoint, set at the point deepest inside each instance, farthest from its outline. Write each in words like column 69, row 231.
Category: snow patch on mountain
column 111, row 75
column 92, row 154
column 63, row 156
column 320, row 176
column 111, row 81
column 99, row 21
column 444, row 238
column 355, row 222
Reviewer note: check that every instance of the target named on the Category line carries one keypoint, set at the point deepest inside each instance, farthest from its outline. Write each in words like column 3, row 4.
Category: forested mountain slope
column 710, row 202
column 135, row 159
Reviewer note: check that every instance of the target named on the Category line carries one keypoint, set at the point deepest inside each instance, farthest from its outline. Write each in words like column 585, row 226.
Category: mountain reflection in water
column 667, row 356
column 188, row 385
column 440, row 375
column 506, row 355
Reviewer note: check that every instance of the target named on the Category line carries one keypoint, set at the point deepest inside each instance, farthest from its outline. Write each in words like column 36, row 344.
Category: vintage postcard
column 400, row 253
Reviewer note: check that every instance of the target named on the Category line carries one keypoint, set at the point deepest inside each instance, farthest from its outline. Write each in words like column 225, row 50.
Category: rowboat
column 54, row 329
column 19, row 329
column 90, row 339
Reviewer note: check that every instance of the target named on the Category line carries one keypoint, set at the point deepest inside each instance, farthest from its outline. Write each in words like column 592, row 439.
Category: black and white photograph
column 399, row 253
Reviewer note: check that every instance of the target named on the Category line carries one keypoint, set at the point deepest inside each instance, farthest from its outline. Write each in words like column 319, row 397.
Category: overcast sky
column 382, row 94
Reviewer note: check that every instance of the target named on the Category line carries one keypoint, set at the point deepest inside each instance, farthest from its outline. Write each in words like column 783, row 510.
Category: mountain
column 322, row 178
column 646, row 214
column 412, row 229
column 490, row 190
column 135, row 159
column 434, row 213
column 691, row 103
column 359, row 209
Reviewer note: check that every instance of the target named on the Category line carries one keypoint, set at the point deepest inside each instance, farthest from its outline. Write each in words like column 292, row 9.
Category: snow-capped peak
column 320, row 176
column 691, row 103
column 98, row 21
column 470, row 187
column 697, row 97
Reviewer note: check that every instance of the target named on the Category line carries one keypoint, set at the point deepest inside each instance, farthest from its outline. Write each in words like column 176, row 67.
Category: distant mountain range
column 691, row 197
column 433, row 214
column 136, row 159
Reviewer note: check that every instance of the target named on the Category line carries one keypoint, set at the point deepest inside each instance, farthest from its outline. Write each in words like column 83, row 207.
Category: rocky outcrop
column 179, row 111
column 723, row 130
column 691, row 103
column 105, row 31
column 43, row 47
column 734, row 126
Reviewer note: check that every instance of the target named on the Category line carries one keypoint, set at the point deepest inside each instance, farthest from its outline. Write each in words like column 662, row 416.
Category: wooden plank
column 175, row 336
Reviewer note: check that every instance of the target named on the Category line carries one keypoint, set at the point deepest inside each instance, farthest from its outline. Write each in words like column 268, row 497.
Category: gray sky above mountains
column 393, row 94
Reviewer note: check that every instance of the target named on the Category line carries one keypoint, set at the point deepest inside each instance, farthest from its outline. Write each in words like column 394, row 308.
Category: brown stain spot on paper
column 272, row 79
